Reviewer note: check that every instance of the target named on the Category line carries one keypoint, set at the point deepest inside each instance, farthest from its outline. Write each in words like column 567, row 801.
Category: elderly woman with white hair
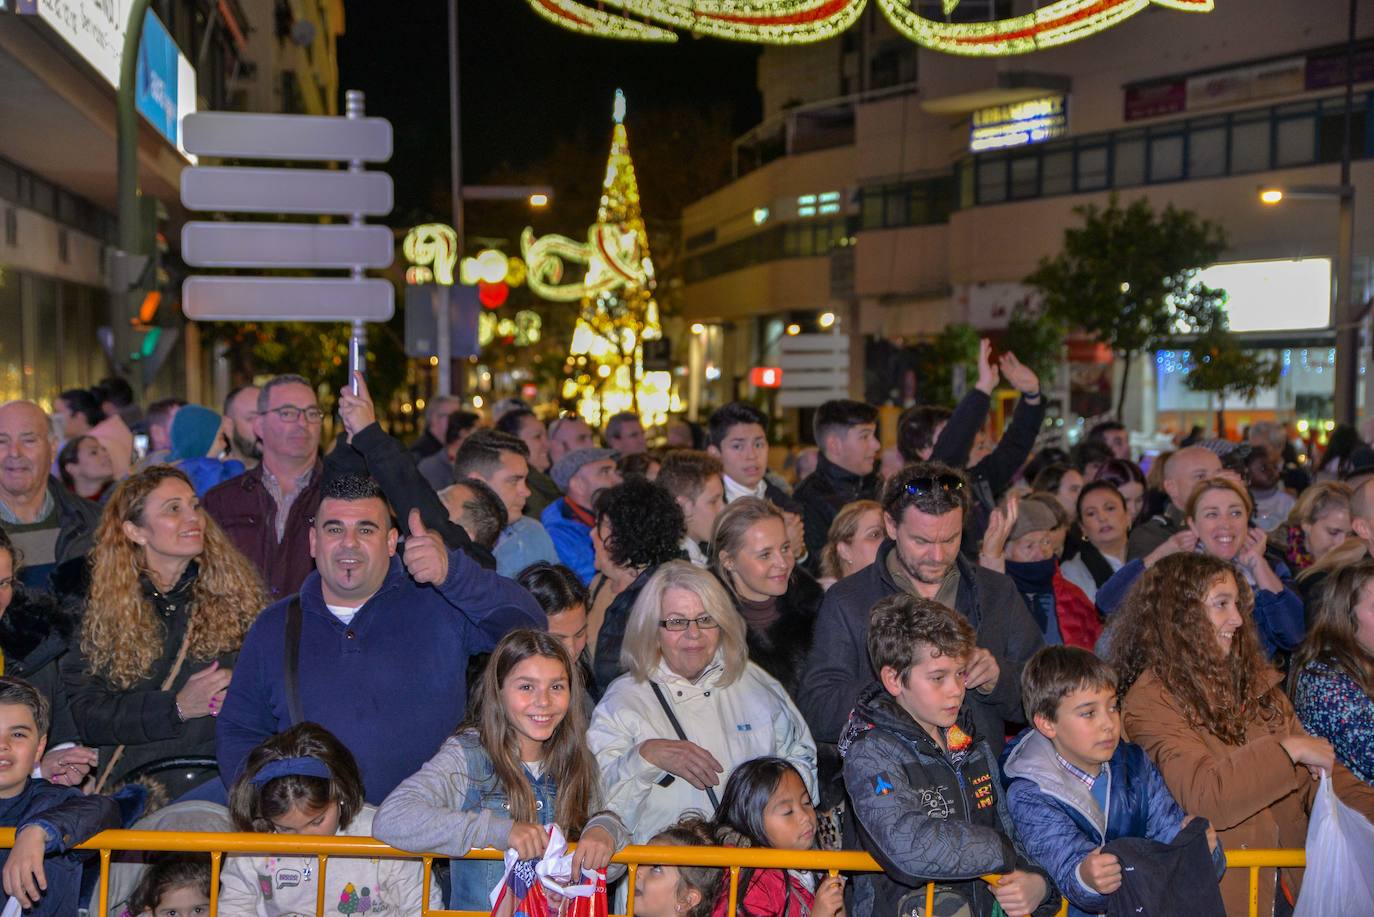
column 690, row 708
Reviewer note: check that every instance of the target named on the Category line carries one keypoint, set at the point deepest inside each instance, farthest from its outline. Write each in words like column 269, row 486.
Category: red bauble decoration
column 492, row 295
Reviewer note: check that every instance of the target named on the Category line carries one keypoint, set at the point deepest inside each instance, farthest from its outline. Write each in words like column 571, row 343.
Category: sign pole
column 443, row 323
column 122, row 303
column 357, row 344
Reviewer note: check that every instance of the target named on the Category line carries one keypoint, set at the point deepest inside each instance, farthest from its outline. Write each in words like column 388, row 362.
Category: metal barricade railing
column 217, row 844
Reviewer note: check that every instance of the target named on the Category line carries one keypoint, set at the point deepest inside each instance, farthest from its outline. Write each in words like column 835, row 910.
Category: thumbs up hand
column 426, row 556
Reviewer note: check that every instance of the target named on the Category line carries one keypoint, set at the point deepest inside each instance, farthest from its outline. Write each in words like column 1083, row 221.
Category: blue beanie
column 194, row 429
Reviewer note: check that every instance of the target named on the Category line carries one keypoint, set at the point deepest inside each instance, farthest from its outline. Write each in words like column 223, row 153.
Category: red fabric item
column 767, row 895
column 1079, row 623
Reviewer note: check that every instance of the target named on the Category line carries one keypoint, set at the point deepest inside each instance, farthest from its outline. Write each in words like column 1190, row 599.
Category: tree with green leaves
column 1220, row 366
column 1128, row 278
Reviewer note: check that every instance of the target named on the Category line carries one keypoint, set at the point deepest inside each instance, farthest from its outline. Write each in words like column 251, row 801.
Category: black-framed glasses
column 291, row 414
column 677, row 625
column 949, row 483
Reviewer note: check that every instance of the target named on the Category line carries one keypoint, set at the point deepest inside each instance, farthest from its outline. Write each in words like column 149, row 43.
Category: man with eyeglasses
column 924, row 508
column 267, row 511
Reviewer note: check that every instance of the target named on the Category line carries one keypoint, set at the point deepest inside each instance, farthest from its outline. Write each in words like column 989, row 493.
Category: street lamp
column 1345, row 317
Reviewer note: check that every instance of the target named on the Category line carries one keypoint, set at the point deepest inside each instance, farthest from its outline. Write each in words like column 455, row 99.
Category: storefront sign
column 1246, row 84
column 1238, row 85
column 1018, row 124
column 165, row 83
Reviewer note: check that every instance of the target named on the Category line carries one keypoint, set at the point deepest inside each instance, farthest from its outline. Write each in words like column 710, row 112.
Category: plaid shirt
column 1087, row 778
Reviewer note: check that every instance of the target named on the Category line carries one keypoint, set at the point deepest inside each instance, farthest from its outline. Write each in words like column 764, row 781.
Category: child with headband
column 304, row 781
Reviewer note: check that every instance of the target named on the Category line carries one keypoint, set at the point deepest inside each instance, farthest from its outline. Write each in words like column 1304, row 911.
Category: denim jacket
column 456, row 803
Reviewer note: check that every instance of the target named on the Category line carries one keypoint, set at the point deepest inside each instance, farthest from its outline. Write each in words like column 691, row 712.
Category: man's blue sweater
column 390, row 684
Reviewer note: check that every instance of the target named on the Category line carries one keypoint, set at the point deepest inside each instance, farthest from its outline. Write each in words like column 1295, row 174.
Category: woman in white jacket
column 691, row 708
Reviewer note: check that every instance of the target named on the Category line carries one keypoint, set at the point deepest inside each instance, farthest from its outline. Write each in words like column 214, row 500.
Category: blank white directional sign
column 233, row 135
column 294, row 191
column 815, row 369
column 284, row 245
column 287, row 299
column 310, row 245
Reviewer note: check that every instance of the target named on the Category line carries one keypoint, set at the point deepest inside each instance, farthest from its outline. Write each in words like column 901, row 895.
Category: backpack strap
column 291, row 660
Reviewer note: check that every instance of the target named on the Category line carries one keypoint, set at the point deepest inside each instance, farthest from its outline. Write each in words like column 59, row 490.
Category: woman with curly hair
column 639, row 525
column 169, row 603
column 1202, row 701
column 1333, row 670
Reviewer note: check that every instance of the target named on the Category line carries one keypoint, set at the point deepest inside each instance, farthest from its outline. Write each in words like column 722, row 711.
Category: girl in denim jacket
column 519, row 764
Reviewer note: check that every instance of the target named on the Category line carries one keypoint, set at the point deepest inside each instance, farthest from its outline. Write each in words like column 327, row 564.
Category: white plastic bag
column 1340, row 859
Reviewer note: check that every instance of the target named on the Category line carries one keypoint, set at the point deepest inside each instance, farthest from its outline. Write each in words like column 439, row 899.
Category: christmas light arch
column 783, row 22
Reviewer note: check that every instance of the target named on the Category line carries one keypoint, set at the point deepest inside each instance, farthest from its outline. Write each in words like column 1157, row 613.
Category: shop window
column 1331, row 133
column 1207, row 149
column 1056, row 172
column 1092, row 168
column 1166, row 158
column 896, row 209
column 871, row 209
column 11, row 347
column 1025, row 177
column 992, row 180
column 1129, row 166
column 1294, row 142
column 1250, row 145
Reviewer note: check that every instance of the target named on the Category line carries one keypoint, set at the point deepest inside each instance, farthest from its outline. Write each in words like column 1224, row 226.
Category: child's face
column 570, row 627
column 305, row 819
column 1223, row 611
column 1086, row 728
column 20, row 747
column 932, row 691
column 186, row 901
column 658, row 894
column 789, row 819
column 536, row 696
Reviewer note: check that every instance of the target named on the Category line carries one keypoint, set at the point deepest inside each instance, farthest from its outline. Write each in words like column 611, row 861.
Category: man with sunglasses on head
column 267, row 511
column 924, row 509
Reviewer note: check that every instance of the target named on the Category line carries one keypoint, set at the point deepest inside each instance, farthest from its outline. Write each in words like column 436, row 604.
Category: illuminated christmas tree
column 618, row 313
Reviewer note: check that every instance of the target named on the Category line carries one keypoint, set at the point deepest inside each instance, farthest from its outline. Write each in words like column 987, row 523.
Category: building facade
column 59, row 70
column 899, row 190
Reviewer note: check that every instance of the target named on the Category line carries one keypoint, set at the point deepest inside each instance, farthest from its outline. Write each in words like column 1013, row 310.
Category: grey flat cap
column 568, row 465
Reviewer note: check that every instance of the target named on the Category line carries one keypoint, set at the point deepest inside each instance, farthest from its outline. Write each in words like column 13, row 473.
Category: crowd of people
column 968, row 657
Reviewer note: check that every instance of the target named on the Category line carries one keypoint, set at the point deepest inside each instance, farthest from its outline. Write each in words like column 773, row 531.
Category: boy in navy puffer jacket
column 1073, row 785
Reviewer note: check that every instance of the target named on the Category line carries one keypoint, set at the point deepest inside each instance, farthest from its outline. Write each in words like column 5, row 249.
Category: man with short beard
column 924, row 507
column 240, row 410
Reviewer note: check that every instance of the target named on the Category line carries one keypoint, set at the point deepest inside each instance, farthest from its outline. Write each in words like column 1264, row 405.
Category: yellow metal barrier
column 732, row 858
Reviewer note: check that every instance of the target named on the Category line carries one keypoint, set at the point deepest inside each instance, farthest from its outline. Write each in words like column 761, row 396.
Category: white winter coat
column 259, row 886
column 749, row 718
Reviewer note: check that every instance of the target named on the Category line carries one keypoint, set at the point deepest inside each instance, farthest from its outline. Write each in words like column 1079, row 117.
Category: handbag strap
column 291, row 660
column 166, row 686
column 677, row 727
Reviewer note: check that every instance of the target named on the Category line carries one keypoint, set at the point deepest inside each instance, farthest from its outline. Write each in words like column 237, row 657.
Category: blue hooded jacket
column 1060, row 823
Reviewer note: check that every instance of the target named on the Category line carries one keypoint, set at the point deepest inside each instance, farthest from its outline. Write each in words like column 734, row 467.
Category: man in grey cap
column 581, row 475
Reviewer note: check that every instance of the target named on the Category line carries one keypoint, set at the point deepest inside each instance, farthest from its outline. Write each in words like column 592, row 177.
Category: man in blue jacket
column 382, row 644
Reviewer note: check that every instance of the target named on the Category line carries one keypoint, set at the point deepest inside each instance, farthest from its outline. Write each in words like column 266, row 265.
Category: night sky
column 524, row 82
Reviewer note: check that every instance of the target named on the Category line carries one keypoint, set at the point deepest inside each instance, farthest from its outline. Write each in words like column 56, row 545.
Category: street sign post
column 353, row 192
column 815, row 369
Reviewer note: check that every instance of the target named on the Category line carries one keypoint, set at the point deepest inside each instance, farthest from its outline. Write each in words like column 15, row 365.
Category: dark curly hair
column 646, row 524
column 1163, row 628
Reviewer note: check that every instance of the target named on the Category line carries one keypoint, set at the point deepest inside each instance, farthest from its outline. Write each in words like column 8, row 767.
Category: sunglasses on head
column 949, row 483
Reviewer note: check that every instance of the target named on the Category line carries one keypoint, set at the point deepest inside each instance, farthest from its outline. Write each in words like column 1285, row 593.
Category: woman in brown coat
column 1205, row 705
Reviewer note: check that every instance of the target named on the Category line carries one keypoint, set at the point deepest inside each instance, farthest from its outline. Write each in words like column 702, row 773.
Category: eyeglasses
column 291, row 414
column 677, row 625
column 949, row 483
